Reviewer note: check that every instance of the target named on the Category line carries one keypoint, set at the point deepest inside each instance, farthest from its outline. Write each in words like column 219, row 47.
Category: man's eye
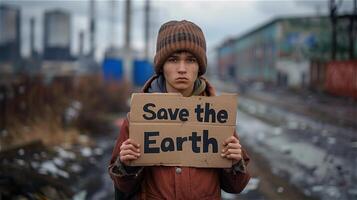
column 172, row 60
column 192, row 60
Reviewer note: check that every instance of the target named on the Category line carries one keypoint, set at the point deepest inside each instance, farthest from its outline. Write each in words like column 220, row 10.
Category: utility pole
column 353, row 30
column 112, row 19
column 147, row 28
column 128, row 53
column 333, row 18
column 92, row 28
column 81, row 43
column 127, row 25
column 32, row 37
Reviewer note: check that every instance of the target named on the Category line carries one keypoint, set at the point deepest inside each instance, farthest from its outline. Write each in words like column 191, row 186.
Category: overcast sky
column 218, row 19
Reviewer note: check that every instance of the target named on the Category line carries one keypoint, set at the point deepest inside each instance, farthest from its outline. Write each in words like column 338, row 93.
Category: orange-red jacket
column 166, row 182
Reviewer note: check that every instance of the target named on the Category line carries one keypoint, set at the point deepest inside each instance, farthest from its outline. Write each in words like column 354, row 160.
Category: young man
column 180, row 61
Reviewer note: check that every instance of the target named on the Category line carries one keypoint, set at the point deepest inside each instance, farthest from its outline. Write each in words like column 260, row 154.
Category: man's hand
column 129, row 151
column 232, row 149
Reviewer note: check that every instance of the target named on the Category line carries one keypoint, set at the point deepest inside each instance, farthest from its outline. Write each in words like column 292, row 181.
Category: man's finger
column 234, row 157
column 128, row 152
column 130, row 141
column 231, row 139
column 234, row 151
column 129, row 146
column 231, row 146
column 128, row 158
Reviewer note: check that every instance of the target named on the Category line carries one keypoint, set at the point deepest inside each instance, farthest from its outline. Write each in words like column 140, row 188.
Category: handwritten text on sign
column 176, row 130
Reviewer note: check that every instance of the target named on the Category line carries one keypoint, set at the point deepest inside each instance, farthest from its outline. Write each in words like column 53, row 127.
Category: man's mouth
column 181, row 79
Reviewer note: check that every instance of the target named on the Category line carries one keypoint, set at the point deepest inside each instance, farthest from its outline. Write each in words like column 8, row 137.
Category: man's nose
column 182, row 67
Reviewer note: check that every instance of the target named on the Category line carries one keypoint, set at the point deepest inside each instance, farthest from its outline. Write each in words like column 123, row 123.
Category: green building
column 279, row 51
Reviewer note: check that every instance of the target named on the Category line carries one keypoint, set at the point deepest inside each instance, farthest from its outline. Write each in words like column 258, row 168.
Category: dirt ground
column 270, row 186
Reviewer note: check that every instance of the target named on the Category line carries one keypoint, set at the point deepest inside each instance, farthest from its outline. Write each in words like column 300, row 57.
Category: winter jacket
column 167, row 182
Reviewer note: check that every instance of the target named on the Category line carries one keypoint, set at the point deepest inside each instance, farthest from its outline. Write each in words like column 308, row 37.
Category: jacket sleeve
column 235, row 179
column 127, row 179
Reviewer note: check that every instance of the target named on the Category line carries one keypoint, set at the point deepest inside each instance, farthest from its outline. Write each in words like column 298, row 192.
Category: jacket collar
column 157, row 84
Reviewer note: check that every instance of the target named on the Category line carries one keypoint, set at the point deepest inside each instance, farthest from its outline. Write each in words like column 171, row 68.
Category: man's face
column 180, row 72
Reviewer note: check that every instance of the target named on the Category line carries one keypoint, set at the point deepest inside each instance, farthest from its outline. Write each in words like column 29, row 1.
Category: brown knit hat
column 177, row 36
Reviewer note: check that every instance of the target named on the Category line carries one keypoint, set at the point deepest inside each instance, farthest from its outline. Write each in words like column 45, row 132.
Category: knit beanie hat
column 177, row 36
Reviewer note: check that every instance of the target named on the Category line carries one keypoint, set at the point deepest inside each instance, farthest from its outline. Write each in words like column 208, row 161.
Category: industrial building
column 10, row 41
column 277, row 52
column 57, row 35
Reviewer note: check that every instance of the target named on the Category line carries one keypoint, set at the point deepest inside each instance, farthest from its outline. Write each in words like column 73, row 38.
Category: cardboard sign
column 173, row 130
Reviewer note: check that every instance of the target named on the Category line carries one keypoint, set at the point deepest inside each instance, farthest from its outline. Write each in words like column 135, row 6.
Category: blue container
column 142, row 71
column 113, row 69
